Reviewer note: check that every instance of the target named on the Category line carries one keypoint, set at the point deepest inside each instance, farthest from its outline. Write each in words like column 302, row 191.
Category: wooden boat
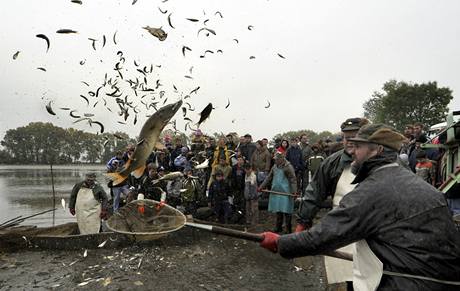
column 63, row 237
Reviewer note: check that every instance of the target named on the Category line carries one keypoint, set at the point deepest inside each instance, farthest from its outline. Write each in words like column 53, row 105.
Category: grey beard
column 355, row 168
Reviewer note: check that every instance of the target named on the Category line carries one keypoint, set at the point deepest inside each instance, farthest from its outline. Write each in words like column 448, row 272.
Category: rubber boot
column 279, row 222
column 288, row 218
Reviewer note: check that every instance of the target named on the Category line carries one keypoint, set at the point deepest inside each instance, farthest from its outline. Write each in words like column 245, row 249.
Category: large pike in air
column 148, row 138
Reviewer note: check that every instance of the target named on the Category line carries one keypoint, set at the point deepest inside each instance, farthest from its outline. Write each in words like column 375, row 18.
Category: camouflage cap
column 353, row 124
column 380, row 134
column 91, row 175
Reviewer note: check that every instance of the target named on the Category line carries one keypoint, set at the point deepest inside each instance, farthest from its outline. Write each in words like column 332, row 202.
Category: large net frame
column 146, row 217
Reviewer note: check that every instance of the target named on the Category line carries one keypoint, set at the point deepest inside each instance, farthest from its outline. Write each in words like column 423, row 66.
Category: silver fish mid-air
column 156, row 32
column 167, row 177
column 203, row 165
column 148, row 138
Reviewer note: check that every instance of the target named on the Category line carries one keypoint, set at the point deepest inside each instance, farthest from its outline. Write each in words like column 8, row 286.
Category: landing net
column 145, row 217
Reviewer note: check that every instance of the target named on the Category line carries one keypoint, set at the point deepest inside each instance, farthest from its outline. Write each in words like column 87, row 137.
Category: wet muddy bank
column 186, row 260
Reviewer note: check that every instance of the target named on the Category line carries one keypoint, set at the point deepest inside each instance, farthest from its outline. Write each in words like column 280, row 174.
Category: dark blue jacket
column 218, row 191
column 294, row 156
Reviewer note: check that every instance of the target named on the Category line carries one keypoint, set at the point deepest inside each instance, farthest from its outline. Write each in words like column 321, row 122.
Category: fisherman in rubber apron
column 404, row 233
column 333, row 178
column 88, row 201
column 282, row 178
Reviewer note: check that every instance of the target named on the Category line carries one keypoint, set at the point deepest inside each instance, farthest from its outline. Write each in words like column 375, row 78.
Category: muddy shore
column 188, row 259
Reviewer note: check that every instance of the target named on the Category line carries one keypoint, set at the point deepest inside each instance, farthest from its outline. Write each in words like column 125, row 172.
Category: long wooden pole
column 24, row 218
column 11, row 220
column 255, row 237
column 279, row 193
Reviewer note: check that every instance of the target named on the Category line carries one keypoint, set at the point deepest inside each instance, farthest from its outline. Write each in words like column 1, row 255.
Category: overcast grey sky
column 336, row 54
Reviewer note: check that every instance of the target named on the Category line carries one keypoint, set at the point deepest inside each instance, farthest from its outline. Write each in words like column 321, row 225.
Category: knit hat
column 380, row 134
column 279, row 155
column 353, row 124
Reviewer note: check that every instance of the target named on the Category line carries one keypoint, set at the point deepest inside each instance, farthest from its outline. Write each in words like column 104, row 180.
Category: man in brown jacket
column 261, row 161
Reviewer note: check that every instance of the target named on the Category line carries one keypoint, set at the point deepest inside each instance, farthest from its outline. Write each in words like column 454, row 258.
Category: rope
column 457, row 283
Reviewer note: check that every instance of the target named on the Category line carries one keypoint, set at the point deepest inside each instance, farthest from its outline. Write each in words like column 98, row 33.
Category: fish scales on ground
column 148, row 137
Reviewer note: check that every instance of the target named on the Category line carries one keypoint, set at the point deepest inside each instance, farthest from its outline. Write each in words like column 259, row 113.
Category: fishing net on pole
column 146, row 217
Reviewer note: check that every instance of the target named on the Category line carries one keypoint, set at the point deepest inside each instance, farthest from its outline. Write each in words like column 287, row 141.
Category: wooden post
column 54, row 193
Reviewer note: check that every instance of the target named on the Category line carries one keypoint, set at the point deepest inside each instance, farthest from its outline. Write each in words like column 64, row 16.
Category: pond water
column 27, row 190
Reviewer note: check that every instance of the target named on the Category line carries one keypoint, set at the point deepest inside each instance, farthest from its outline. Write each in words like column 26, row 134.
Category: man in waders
column 333, row 178
column 404, row 233
column 282, row 178
column 88, row 201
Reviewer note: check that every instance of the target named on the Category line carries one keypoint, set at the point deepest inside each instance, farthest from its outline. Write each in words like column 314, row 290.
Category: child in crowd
column 218, row 197
column 251, row 196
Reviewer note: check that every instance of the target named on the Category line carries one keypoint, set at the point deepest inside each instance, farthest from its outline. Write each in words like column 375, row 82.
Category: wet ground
column 188, row 259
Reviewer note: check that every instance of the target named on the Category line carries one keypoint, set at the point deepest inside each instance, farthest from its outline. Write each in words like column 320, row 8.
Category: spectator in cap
column 400, row 224
column 89, row 202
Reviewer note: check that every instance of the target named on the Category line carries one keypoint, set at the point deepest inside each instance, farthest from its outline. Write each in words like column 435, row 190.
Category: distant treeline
column 44, row 143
